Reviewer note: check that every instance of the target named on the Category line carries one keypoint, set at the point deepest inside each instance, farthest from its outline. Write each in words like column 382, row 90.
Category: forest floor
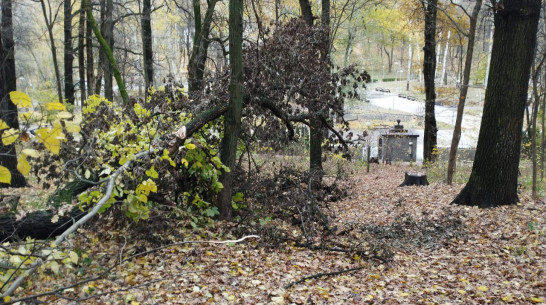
column 432, row 253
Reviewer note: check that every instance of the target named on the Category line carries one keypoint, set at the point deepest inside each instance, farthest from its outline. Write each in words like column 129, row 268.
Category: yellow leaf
column 20, row 99
column 26, row 115
column 135, row 303
column 482, row 288
column 31, row 152
column 507, row 298
column 537, row 300
column 184, row 162
column 64, row 115
column 55, row 106
column 9, row 136
column 7, row 299
column 404, row 294
column 72, row 127
column 3, row 125
column 461, row 291
column 73, row 257
column 23, row 166
column 5, row 175
column 54, row 266
column 51, row 137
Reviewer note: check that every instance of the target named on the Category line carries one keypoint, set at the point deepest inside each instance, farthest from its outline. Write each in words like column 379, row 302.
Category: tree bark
column 148, row 56
column 36, row 225
column 232, row 119
column 306, row 12
column 49, row 24
column 494, row 176
column 201, row 41
column 107, row 31
column 89, row 53
column 108, row 52
column 68, row 53
column 429, row 71
column 81, row 52
column 8, row 83
column 452, row 162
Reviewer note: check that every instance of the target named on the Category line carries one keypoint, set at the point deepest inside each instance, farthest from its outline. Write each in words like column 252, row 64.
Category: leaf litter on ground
column 438, row 253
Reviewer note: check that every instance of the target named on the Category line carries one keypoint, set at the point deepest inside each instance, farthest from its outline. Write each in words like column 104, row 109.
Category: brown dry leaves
column 500, row 258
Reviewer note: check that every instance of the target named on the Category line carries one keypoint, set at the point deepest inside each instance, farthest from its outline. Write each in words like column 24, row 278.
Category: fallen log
column 37, row 225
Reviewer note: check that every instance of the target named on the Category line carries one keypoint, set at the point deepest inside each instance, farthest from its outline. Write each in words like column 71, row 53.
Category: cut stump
column 414, row 179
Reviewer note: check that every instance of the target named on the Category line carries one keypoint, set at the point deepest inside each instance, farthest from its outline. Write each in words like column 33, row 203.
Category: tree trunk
column 535, row 70
column 53, row 48
column 494, row 176
column 147, row 50
column 107, row 30
column 452, row 162
column 306, row 12
column 232, row 119
column 89, row 53
column 108, row 52
column 8, row 83
column 429, row 71
column 68, row 53
column 81, row 52
column 201, row 41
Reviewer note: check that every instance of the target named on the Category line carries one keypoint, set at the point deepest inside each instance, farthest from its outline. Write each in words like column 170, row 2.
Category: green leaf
column 152, row 173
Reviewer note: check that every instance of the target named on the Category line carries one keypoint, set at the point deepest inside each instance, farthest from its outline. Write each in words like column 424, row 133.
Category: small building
column 397, row 145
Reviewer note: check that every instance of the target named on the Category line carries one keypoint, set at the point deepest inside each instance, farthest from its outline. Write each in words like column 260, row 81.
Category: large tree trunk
column 429, row 71
column 148, row 56
column 306, row 12
column 81, row 52
column 8, row 83
column 201, row 41
column 464, row 90
column 49, row 24
column 68, row 53
column 494, row 176
column 232, row 119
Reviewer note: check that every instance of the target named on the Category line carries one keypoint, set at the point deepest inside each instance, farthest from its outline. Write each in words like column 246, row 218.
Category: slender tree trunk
column 89, row 53
column 107, row 30
column 452, row 163
column 410, row 57
column 429, row 71
column 535, row 72
column 542, row 131
column 8, row 83
column 147, row 49
column 201, row 41
column 81, row 52
column 490, row 42
column 108, row 52
column 232, row 119
column 443, row 75
column 494, row 176
column 68, row 53
column 53, row 49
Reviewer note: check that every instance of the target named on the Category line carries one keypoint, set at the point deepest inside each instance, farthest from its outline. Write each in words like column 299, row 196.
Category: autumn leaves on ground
column 407, row 245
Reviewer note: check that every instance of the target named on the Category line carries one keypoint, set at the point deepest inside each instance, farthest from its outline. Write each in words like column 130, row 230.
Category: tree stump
column 414, row 179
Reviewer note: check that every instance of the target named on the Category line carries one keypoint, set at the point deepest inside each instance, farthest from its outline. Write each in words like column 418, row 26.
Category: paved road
column 470, row 125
